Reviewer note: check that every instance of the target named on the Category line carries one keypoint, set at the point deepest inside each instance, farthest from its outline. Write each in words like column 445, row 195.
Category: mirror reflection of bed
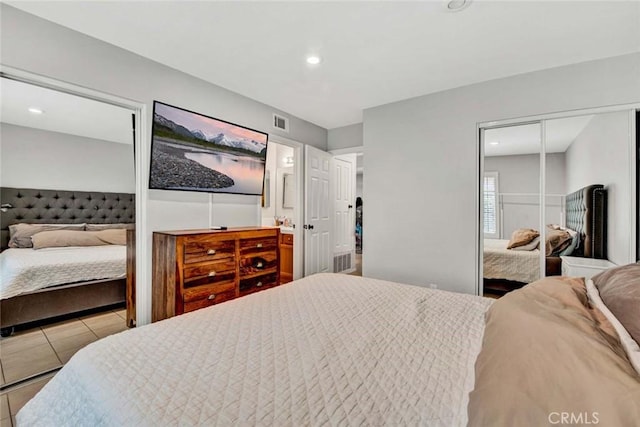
column 67, row 200
column 586, row 181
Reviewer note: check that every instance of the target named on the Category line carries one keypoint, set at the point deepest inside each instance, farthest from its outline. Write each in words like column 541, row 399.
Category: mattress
column 502, row 263
column 27, row 270
column 326, row 349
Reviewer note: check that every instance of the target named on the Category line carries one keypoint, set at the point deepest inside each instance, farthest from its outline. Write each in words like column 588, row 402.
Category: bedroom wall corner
column 345, row 137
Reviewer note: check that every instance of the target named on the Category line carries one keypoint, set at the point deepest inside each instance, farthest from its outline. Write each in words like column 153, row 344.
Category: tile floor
column 36, row 350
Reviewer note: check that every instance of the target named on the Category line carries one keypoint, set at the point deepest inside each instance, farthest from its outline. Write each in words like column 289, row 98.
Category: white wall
column 422, row 161
column 345, row 137
column 521, row 175
column 33, row 158
column 597, row 156
column 39, row 46
column 359, row 181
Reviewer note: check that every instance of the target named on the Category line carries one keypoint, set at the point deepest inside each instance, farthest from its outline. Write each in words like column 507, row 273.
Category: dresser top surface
column 209, row 231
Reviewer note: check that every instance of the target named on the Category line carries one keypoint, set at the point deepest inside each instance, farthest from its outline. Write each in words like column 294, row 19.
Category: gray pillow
column 98, row 227
column 575, row 243
column 619, row 289
column 20, row 234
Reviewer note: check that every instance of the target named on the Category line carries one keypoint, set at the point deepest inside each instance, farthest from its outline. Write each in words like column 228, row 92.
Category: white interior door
column 318, row 206
column 344, row 183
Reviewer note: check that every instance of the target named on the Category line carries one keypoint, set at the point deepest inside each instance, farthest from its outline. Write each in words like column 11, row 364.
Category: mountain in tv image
column 195, row 152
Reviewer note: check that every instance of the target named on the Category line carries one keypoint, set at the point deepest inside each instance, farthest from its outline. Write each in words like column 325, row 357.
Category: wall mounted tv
column 194, row 152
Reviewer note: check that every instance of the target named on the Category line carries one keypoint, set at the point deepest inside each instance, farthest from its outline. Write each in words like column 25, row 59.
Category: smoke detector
column 456, row 5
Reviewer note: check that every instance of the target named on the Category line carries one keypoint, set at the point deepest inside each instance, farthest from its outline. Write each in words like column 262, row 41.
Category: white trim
column 479, row 211
column 542, row 199
column 143, row 285
column 558, row 115
column 298, row 220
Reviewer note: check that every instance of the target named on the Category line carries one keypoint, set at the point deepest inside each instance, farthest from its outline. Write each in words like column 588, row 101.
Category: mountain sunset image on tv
column 194, row 152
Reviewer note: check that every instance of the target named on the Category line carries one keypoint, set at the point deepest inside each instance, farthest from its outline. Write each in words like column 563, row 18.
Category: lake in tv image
column 199, row 153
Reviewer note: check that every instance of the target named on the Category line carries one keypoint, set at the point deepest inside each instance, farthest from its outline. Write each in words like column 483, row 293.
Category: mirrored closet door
column 511, row 206
column 556, row 198
column 68, row 184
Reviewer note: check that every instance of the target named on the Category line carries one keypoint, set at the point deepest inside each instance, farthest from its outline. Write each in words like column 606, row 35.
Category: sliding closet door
column 593, row 149
column 511, row 214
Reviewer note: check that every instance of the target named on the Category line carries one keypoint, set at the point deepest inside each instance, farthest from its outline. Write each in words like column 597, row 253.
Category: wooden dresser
column 286, row 257
column 193, row 269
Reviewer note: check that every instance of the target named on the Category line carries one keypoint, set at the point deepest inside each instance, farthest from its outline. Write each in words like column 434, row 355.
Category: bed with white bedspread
column 25, row 270
column 502, row 263
column 326, row 349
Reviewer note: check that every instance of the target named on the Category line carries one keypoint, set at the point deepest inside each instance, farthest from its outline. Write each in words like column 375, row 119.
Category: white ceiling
column 63, row 113
column 525, row 139
column 372, row 53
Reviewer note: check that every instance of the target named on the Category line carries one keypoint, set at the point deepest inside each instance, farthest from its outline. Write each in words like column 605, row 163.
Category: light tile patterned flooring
column 39, row 349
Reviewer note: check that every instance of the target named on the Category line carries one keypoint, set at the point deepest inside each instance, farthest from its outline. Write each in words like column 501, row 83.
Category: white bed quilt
column 327, row 349
column 502, row 263
column 26, row 270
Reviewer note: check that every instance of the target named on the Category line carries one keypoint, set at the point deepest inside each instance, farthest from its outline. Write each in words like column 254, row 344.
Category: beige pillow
column 529, row 246
column 619, row 289
column 557, row 240
column 61, row 238
column 521, row 237
column 20, row 234
column 98, row 227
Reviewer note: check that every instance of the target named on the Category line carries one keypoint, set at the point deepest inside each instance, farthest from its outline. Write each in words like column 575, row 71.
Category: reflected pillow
column 62, row 238
column 20, row 234
column 556, row 241
column 575, row 243
column 529, row 246
column 522, row 236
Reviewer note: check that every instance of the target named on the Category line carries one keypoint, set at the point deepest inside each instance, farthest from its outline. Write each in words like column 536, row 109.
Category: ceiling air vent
column 281, row 123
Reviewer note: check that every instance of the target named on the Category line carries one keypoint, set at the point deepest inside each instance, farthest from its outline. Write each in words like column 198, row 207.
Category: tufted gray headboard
column 587, row 214
column 35, row 206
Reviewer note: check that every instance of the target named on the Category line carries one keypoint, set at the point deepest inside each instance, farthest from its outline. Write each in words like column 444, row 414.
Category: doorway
column 282, row 201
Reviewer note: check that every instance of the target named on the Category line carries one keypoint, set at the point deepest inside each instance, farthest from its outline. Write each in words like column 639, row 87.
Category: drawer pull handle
column 259, row 284
column 259, row 264
column 212, row 273
column 211, row 297
column 211, row 252
column 259, row 245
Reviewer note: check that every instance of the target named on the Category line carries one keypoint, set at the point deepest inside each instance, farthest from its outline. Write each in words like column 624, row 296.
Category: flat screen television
column 194, row 152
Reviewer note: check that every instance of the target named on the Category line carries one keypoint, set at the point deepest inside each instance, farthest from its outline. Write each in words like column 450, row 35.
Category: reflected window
column 490, row 210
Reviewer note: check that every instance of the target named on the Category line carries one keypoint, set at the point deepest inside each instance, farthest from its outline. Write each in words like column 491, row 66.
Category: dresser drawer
column 264, row 261
column 214, row 271
column 255, row 284
column 286, row 239
column 208, row 251
column 204, row 296
column 259, row 244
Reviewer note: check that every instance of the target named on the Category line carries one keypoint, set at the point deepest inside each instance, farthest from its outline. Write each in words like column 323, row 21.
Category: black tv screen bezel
column 208, row 191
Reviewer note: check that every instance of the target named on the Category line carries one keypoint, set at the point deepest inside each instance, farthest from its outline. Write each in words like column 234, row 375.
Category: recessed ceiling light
column 457, row 5
column 35, row 110
column 494, row 143
column 313, row 60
